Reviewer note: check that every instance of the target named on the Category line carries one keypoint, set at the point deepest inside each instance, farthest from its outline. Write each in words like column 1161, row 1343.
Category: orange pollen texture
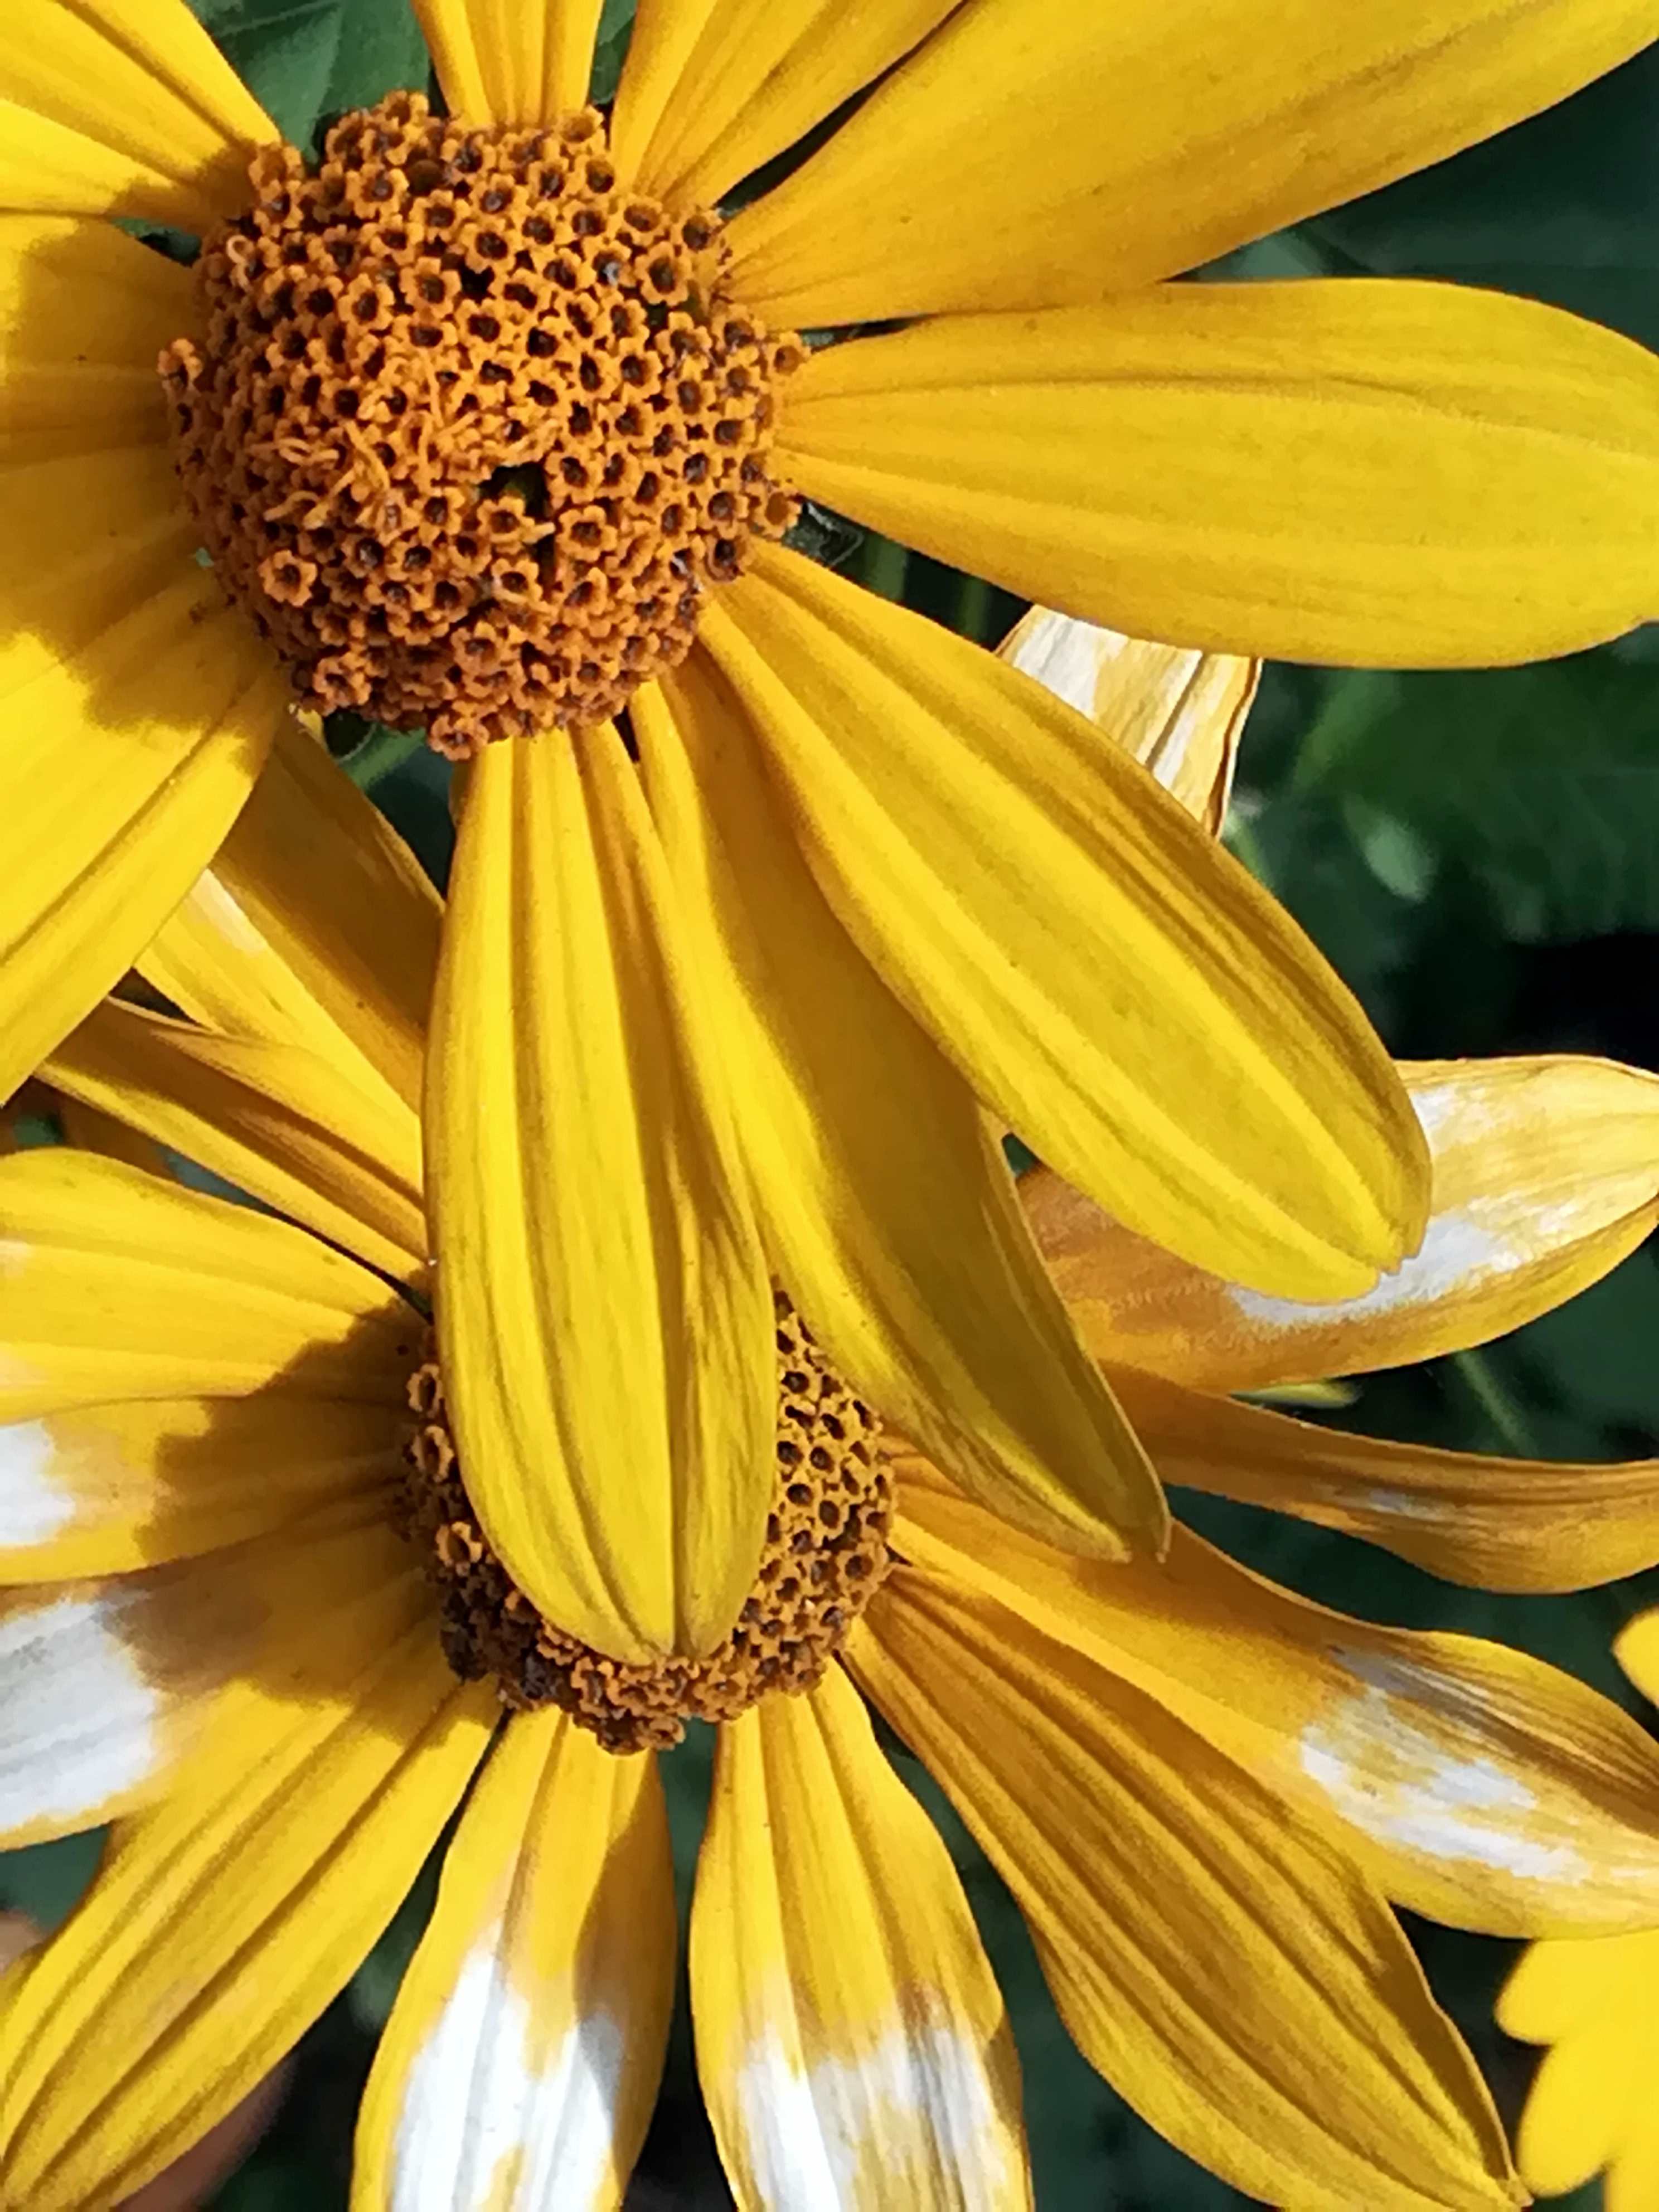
column 826, row 1555
column 471, row 429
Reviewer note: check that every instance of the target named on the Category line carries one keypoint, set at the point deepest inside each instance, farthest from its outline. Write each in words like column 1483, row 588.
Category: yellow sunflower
column 245, row 1573
column 486, row 422
column 1591, row 2109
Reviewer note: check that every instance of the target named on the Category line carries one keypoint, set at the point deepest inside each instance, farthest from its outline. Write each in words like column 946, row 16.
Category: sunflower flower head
column 826, row 1556
column 469, row 427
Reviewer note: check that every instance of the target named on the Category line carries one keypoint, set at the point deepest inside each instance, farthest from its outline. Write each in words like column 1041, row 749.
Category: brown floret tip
column 468, row 428
column 826, row 1555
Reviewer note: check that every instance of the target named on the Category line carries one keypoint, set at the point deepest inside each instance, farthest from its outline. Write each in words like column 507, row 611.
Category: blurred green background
column 1478, row 854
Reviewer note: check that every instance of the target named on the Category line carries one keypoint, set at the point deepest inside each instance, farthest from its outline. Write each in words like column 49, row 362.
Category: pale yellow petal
column 884, row 1195
column 1591, row 2104
column 603, row 1303
column 521, row 2060
column 104, row 1489
column 1475, row 1783
column 712, row 88
column 1238, row 1982
column 512, row 61
column 1028, row 157
column 113, row 1284
column 315, row 926
column 1545, row 1175
column 1123, row 993
column 851, row 2039
column 122, row 107
column 275, row 1120
column 1491, row 1523
column 222, row 1924
column 1178, row 711
column 1371, row 473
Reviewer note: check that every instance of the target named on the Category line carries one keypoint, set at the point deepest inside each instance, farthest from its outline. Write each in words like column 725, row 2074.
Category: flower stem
column 1495, row 1402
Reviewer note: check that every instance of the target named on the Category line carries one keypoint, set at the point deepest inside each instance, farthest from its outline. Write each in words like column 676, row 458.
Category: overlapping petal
column 1179, row 713
column 1491, row 1523
column 884, row 1195
column 1128, row 998
column 603, row 1305
column 512, row 61
column 520, row 2063
column 1235, row 1979
column 84, row 311
column 1372, row 473
column 338, row 958
column 122, row 107
column 1025, row 158
column 851, row 2043
column 1476, row 1783
column 1546, row 1174
column 712, row 88
column 222, row 1922
column 115, row 1285
column 275, row 1120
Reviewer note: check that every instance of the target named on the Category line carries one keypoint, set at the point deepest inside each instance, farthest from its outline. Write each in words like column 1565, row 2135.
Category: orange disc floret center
column 468, row 428
column 826, row 1555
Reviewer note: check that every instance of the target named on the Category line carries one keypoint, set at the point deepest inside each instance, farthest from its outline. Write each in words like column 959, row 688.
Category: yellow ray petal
column 122, row 107
column 1123, row 994
column 1240, row 1985
column 1546, row 1174
column 1476, row 1783
column 315, row 926
column 108, row 1686
column 1502, row 1524
column 274, row 1121
column 1591, row 2104
column 512, row 61
column 521, row 2060
column 84, row 311
column 604, row 1308
column 128, row 760
column 1178, row 712
column 1364, row 473
column 712, row 89
column 851, row 2039
column 1019, row 161
column 103, row 1490
column 885, row 1198
column 112, row 1283
column 222, row 1924
column 1637, row 1649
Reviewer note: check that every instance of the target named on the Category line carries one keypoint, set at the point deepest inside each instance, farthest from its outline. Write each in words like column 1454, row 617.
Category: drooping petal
column 851, row 2039
column 1240, row 1983
column 106, row 1686
column 1546, row 1174
column 122, row 107
column 512, row 61
column 1476, row 1783
column 1371, row 473
column 713, row 89
column 1495, row 1524
column 103, row 1490
column 338, row 954
column 884, row 1195
column 221, row 1923
column 604, row 1306
column 276, row 1120
column 521, row 2060
column 1179, row 713
column 113, row 1284
column 1591, row 2104
column 1024, row 158
column 1125, row 995
column 84, row 311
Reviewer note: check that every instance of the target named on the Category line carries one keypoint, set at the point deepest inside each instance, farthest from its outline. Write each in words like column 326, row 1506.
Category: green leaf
column 616, row 28
column 306, row 59
column 1543, row 782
